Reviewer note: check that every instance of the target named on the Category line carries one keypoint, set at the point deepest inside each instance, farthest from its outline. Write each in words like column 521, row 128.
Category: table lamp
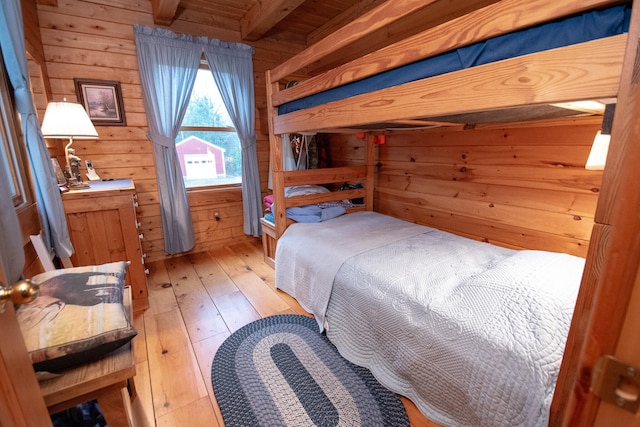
column 64, row 119
column 600, row 147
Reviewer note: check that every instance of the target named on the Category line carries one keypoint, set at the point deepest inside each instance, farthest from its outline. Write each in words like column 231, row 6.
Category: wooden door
column 21, row 403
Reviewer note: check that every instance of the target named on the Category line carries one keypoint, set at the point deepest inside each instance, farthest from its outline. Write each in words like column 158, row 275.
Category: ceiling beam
column 264, row 15
column 164, row 11
column 355, row 11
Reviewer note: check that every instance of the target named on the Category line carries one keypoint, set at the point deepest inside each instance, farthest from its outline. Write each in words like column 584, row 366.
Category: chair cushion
column 79, row 316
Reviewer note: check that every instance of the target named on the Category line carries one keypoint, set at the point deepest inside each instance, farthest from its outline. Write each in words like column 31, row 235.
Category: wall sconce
column 600, row 147
column 64, row 119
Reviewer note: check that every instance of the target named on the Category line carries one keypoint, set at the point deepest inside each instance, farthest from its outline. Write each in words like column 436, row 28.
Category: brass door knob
column 22, row 292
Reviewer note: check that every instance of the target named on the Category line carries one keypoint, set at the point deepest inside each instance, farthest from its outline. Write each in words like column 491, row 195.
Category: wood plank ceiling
column 310, row 19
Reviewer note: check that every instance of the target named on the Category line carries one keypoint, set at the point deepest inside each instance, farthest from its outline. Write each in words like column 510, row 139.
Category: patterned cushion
column 79, row 316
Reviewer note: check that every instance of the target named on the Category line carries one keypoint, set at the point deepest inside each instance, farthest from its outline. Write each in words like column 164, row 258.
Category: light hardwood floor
column 195, row 302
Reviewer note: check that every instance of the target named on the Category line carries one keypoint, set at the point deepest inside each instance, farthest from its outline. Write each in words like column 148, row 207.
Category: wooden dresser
column 104, row 228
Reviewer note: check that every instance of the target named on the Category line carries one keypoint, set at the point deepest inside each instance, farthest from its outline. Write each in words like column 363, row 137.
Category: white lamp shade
column 598, row 154
column 64, row 119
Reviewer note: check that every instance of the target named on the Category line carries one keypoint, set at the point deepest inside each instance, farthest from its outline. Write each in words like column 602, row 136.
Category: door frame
column 611, row 269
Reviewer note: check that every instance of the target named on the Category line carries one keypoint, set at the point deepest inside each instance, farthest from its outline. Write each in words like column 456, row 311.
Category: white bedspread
column 309, row 257
column 472, row 333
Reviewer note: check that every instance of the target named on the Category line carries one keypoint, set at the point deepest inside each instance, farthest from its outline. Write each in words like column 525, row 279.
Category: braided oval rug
column 280, row 371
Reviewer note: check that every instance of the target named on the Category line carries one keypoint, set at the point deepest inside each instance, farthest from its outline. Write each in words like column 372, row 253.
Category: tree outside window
column 207, row 144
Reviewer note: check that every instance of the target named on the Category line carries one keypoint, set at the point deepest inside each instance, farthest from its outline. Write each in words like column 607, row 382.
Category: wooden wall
column 94, row 39
column 521, row 187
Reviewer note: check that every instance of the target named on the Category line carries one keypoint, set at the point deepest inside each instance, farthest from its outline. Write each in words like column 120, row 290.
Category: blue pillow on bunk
column 310, row 213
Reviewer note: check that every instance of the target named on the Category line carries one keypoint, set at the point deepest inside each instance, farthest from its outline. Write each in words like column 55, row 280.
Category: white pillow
column 303, row 190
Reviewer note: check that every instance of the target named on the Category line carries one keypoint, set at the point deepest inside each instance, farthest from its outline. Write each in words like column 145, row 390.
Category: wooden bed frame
column 539, row 78
column 604, row 68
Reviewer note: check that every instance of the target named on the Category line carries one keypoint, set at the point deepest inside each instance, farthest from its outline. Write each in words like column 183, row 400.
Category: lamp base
column 79, row 186
column 72, row 172
column 73, row 183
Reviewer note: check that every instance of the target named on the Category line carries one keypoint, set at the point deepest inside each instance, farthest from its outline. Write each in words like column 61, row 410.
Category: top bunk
column 418, row 64
column 452, row 63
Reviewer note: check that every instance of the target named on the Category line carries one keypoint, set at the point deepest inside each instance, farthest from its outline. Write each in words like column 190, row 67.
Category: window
column 12, row 168
column 207, row 144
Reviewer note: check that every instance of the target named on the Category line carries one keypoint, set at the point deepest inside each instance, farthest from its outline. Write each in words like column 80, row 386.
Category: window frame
column 204, row 65
column 13, row 147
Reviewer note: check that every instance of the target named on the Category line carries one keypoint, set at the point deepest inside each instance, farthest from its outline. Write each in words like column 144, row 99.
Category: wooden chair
column 108, row 380
column 44, row 256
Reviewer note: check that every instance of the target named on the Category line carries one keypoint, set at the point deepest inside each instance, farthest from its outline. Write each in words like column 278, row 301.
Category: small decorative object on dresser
column 62, row 179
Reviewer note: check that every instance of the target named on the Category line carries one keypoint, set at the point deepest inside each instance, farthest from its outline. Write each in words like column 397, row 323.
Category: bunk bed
column 340, row 98
column 576, row 71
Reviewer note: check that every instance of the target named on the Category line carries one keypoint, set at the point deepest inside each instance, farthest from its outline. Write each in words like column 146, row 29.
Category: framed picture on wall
column 103, row 101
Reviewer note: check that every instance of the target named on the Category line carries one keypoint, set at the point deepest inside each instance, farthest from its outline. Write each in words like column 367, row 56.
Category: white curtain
column 52, row 218
column 12, row 260
column 11, row 254
column 232, row 70
column 168, row 66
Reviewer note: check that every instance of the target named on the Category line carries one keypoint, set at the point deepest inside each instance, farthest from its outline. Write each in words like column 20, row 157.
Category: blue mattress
column 575, row 29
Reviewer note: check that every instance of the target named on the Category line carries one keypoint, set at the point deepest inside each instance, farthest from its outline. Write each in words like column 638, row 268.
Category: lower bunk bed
column 472, row 333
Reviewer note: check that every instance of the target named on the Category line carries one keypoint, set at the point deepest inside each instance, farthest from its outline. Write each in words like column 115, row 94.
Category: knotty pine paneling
column 346, row 150
column 94, row 39
column 516, row 187
column 523, row 188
